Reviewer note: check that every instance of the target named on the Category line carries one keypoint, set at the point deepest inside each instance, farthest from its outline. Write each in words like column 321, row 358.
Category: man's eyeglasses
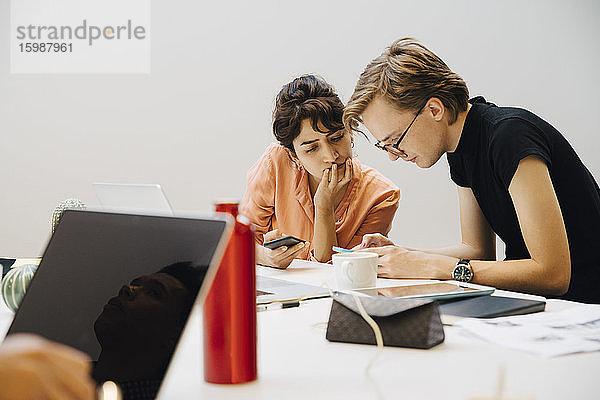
column 393, row 148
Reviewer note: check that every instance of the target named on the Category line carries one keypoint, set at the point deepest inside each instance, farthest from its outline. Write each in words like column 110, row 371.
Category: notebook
column 120, row 288
column 491, row 307
column 269, row 290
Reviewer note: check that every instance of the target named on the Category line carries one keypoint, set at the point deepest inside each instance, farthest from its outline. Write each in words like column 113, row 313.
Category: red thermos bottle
column 230, row 308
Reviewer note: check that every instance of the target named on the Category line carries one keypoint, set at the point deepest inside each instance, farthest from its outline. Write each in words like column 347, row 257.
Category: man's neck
column 455, row 130
column 114, row 365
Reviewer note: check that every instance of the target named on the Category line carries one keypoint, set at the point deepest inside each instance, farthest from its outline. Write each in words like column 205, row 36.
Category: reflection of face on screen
column 139, row 328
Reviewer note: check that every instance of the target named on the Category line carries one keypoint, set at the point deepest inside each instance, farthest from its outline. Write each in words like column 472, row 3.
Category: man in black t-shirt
column 517, row 177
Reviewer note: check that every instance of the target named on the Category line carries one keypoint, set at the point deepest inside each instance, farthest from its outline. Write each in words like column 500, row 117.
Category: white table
column 297, row 362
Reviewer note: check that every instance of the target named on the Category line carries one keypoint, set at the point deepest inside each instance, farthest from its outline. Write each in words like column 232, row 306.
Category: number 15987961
column 46, row 47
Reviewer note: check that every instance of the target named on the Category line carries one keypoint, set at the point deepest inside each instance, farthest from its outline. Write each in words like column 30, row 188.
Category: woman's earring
column 352, row 144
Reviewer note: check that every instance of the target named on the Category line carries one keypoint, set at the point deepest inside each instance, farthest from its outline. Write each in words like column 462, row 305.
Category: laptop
column 132, row 197
column 120, row 287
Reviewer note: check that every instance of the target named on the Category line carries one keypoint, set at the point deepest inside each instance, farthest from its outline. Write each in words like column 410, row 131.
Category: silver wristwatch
column 463, row 272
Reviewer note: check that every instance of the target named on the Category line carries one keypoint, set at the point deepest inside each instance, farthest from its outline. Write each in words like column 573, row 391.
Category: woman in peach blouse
column 308, row 185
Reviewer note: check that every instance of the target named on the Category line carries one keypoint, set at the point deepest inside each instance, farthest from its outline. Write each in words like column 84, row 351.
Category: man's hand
column 283, row 256
column 34, row 368
column 331, row 186
column 373, row 240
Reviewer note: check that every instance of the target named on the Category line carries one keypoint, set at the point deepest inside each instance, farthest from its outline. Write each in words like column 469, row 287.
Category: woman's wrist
column 323, row 210
column 324, row 235
column 322, row 204
column 260, row 254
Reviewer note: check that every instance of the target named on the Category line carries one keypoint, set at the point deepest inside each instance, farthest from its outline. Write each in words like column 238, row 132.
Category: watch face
column 462, row 273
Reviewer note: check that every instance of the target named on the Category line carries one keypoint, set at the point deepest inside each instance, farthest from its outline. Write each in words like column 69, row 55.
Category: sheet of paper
column 548, row 334
column 303, row 271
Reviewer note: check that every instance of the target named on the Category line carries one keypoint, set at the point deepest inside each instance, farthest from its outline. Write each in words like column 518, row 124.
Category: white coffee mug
column 355, row 270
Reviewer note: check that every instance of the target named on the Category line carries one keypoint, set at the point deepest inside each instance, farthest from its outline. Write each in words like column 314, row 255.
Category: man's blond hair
column 407, row 74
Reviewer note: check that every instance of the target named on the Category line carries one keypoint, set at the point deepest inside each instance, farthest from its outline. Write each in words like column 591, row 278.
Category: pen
column 341, row 250
column 277, row 306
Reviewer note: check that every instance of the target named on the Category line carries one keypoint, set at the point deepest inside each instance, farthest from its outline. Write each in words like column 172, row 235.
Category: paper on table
column 303, row 271
column 547, row 334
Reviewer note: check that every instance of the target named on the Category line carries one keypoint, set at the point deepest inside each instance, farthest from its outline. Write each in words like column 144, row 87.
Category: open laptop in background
column 120, row 288
column 131, row 197
column 151, row 198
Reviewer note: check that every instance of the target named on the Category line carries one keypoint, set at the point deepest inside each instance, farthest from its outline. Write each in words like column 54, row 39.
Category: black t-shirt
column 493, row 141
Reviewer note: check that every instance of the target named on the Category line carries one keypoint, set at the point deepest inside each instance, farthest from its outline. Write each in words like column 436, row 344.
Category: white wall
column 202, row 117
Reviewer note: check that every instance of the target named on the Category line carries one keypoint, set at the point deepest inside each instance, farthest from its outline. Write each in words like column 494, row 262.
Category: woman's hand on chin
column 331, row 186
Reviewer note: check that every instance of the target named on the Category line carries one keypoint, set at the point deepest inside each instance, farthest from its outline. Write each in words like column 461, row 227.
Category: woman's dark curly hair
column 306, row 97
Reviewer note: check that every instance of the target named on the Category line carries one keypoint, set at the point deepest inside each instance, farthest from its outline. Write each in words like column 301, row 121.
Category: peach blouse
column 278, row 197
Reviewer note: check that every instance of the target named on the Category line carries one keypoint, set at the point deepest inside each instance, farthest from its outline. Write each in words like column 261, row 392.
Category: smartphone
column 288, row 241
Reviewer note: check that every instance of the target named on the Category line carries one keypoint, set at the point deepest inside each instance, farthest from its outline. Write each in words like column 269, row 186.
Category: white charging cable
column 378, row 339
column 368, row 319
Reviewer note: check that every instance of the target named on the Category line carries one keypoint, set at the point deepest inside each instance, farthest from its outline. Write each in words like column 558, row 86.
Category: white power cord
column 378, row 340
column 372, row 324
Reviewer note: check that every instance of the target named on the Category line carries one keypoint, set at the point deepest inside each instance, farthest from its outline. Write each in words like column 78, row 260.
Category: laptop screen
column 120, row 288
